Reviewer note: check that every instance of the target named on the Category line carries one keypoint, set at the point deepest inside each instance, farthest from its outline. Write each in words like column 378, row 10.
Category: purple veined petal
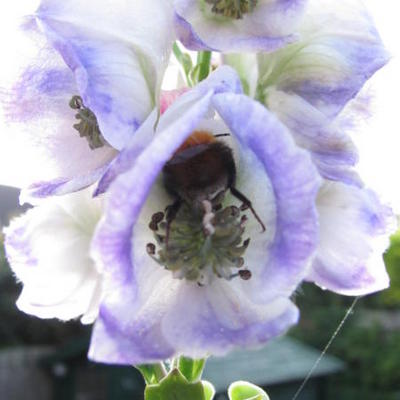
column 355, row 229
column 135, row 282
column 48, row 250
column 113, row 339
column 37, row 139
column 220, row 318
column 338, row 51
column 155, row 330
column 223, row 79
column 328, row 141
column 118, row 51
column 42, row 190
column 268, row 27
column 293, row 177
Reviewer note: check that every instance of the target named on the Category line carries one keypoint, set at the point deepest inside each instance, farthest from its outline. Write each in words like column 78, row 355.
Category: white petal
column 355, row 229
column 48, row 249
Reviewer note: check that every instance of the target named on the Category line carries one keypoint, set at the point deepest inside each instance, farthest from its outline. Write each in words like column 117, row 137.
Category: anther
column 151, row 249
column 157, row 217
column 245, row 274
column 87, row 125
column 153, row 225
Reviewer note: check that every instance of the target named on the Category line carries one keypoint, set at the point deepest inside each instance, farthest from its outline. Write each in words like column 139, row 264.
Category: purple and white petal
column 221, row 317
column 37, row 139
column 118, row 52
column 338, row 51
column 42, row 190
column 294, row 182
column 327, row 140
column 48, row 250
column 134, row 281
column 268, row 27
column 355, row 230
column 223, row 79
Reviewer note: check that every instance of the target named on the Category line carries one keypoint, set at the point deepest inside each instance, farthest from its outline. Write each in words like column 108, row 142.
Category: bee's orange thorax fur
column 196, row 138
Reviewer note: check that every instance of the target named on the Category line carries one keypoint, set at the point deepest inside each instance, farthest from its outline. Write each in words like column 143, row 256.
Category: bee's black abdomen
column 200, row 169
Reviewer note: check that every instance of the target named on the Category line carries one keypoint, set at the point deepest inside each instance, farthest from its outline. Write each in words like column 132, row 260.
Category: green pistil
column 87, row 125
column 232, row 8
column 199, row 256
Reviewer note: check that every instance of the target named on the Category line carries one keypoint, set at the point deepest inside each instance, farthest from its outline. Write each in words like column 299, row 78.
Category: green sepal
column 194, row 74
column 152, row 373
column 204, row 63
column 191, row 369
column 175, row 387
column 241, row 390
column 209, row 390
column 185, row 60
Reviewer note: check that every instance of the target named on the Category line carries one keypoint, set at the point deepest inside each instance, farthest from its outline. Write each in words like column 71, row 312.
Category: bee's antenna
column 222, row 135
column 247, row 203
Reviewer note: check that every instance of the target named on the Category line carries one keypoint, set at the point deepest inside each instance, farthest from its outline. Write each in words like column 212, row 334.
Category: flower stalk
column 203, row 62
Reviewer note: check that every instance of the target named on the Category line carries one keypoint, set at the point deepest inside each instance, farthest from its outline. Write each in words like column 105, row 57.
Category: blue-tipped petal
column 268, row 27
column 295, row 182
column 61, row 186
column 118, row 51
column 338, row 51
column 355, row 230
column 327, row 140
column 37, row 140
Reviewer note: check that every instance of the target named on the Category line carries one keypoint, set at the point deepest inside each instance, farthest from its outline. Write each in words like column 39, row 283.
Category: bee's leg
column 222, row 134
column 247, row 203
column 171, row 212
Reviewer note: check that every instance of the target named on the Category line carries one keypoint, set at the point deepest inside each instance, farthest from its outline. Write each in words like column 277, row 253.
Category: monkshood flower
column 237, row 25
column 218, row 267
column 308, row 85
column 88, row 74
column 48, row 250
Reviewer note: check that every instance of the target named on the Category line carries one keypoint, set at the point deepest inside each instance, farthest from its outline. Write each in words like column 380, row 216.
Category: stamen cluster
column 232, row 8
column 87, row 125
column 196, row 254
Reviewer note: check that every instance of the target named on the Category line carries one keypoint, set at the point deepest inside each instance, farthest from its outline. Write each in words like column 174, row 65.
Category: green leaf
column 175, row 387
column 191, row 369
column 209, row 390
column 246, row 391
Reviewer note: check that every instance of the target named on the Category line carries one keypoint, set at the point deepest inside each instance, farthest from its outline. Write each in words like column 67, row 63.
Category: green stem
column 203, row 61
